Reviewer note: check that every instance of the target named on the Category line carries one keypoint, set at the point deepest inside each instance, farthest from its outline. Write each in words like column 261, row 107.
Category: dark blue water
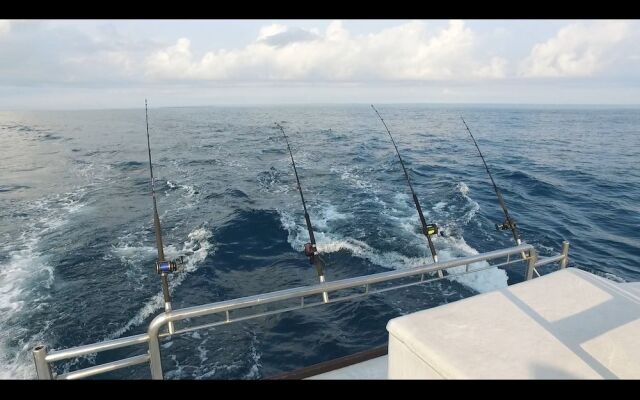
column 76, row 234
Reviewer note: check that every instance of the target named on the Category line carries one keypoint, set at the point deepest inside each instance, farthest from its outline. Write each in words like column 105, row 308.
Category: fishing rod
column 163, row 267
column 427, row 229
column 310, row 249
column 509, row 222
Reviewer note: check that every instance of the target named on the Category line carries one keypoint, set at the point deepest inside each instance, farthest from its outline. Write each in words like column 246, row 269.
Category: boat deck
column 569, row 324
column 375, row 368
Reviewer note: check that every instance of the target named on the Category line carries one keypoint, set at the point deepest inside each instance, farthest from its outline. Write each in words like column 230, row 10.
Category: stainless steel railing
column 363, row 285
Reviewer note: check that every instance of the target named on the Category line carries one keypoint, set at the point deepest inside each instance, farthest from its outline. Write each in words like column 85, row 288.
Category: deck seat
column 568, row 324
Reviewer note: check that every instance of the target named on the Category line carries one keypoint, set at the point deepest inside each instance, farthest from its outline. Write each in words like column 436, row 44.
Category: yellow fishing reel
column 431, row 229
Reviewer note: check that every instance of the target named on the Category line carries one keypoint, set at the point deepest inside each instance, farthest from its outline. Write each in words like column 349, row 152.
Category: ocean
column 77, row 246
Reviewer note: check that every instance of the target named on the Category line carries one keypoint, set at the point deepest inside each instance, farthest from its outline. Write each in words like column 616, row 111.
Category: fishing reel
column 315, row 259
column 506, row 225
column 431, row 229
column 166, row 267
column 309, row 250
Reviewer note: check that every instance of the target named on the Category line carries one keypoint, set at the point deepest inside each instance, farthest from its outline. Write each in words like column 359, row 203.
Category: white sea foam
column 25, row 276
column 439, row 206
column 483, row 281
column 188, row 190
column 463, row 188
column 328, row 242
column 129, row 253
column 474, row 207
column 327, row 214
column 269, row 181
column 255, row 355
column 26, row 271
column 449, row 247
column 350, row 175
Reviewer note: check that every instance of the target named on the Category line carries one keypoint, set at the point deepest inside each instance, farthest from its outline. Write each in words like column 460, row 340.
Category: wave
column 129, row 165
column 189, row 190
column 271, row 181
column 473, row 205
column 448, row 247
column 254, row 359
column 25, row 280
column 11, row 188
column 232, row 193
column 354, row 177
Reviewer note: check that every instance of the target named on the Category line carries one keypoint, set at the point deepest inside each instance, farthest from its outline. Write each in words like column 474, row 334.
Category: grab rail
column 43, row 359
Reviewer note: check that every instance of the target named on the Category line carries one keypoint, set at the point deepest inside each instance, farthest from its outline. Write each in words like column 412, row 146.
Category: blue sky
column 60, row 64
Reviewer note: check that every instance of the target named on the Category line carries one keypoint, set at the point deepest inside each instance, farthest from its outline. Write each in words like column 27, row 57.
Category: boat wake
column 25, row 280
column 401, row 212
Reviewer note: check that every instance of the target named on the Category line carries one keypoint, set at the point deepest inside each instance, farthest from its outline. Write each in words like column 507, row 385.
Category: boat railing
column 245, row 308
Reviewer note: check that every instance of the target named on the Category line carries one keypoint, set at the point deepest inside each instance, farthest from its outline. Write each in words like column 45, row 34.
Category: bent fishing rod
column 310, row 249
column 427, row 229
column 509, row 222
column 163, row 267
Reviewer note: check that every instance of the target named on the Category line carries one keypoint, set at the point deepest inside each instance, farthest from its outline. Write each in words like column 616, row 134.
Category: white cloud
column 328, row 62
column 5, row 26
column 578, row 50
column 46, row 52
column 494, row 70
column 107, row 64
column 404, row 52
column 271, row 30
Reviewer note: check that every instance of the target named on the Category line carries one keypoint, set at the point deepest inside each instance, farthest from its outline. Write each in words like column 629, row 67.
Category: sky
column 93, row 64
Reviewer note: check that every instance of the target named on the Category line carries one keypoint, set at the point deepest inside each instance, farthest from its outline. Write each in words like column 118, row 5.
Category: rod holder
column 565, row 254
column 170, row 325
column 533, row 258
column 325, row 295
column 167, row 299
column 42, row 366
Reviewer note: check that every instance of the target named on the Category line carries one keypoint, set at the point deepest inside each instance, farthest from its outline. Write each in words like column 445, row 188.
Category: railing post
column 42, row 366
column 565, row 254
column 155, row 361
column 533, row 258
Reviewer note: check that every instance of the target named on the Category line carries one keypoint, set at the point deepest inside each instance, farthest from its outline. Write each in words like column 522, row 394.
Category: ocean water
column 77, row 250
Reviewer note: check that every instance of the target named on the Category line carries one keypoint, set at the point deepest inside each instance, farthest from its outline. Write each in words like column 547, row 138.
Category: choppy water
column 76, row 234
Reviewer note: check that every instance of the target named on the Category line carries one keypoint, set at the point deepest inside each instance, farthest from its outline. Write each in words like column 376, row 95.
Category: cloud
column 271, row 30
column 5, row 27
column 577, row 50
column 495, row 69
column 287, row 36
column 342, row 62
column 44, row 53
column 405, row 52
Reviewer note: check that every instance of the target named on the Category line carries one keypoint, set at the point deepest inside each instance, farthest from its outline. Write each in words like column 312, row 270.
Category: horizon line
column 563, row 105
